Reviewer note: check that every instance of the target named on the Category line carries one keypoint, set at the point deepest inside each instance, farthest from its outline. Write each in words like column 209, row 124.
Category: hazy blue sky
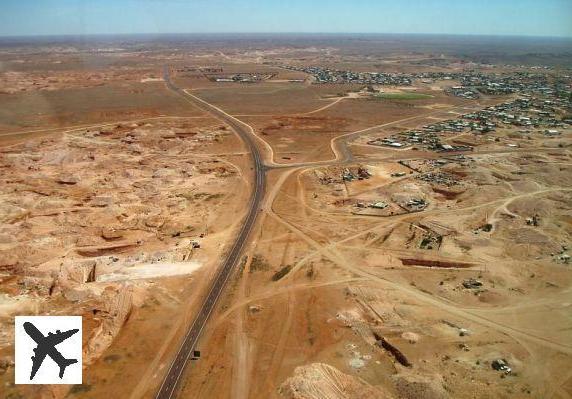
column 497, row 17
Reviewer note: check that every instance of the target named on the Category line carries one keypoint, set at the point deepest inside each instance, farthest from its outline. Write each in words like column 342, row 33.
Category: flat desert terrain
column 412, row 238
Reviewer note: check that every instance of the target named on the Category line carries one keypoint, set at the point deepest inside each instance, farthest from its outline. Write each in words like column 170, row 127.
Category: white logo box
column 64, row 352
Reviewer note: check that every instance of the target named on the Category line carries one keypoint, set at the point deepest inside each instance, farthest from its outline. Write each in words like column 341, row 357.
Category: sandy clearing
column 152, row 270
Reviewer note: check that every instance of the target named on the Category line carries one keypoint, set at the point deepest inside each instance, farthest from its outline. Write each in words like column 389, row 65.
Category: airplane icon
column 46, row 347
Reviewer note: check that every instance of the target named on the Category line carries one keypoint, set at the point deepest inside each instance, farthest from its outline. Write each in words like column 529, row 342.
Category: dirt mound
column 319, row 381
column 415, row 386
column 116, row 309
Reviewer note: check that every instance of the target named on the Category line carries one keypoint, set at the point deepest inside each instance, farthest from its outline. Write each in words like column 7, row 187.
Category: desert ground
column 412, row 242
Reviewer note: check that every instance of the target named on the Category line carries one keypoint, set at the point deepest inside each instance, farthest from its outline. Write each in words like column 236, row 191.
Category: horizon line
column 51, row 35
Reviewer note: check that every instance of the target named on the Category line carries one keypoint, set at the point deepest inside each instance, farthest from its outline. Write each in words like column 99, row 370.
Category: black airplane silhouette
column 47, row 347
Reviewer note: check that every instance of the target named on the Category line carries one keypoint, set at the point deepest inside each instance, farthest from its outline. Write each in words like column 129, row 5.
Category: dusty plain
column 384, row 263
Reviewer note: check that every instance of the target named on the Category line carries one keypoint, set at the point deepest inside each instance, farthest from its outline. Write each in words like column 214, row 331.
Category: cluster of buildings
column 361, row 174
column 241, row 77
column 472, row 85
column 410, row 205
column 427, row 137
column 526, row 113
column 416, row 204
column 345, row 175
column 191, row 68
column 326, row 75
column 463, row 92
column 440, row 178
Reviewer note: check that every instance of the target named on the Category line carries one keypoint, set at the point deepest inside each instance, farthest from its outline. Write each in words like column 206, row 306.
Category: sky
column 489, row 17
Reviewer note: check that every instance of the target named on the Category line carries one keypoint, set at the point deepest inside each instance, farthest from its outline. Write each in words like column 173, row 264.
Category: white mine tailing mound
column 145, row 80
column 151, row 270
column 322, row 381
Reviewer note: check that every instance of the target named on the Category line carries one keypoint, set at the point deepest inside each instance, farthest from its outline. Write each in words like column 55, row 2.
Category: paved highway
column 170, row 383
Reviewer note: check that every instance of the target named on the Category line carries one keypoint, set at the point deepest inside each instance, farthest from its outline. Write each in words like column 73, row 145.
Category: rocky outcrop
column 117, row 305
column 319, row 381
